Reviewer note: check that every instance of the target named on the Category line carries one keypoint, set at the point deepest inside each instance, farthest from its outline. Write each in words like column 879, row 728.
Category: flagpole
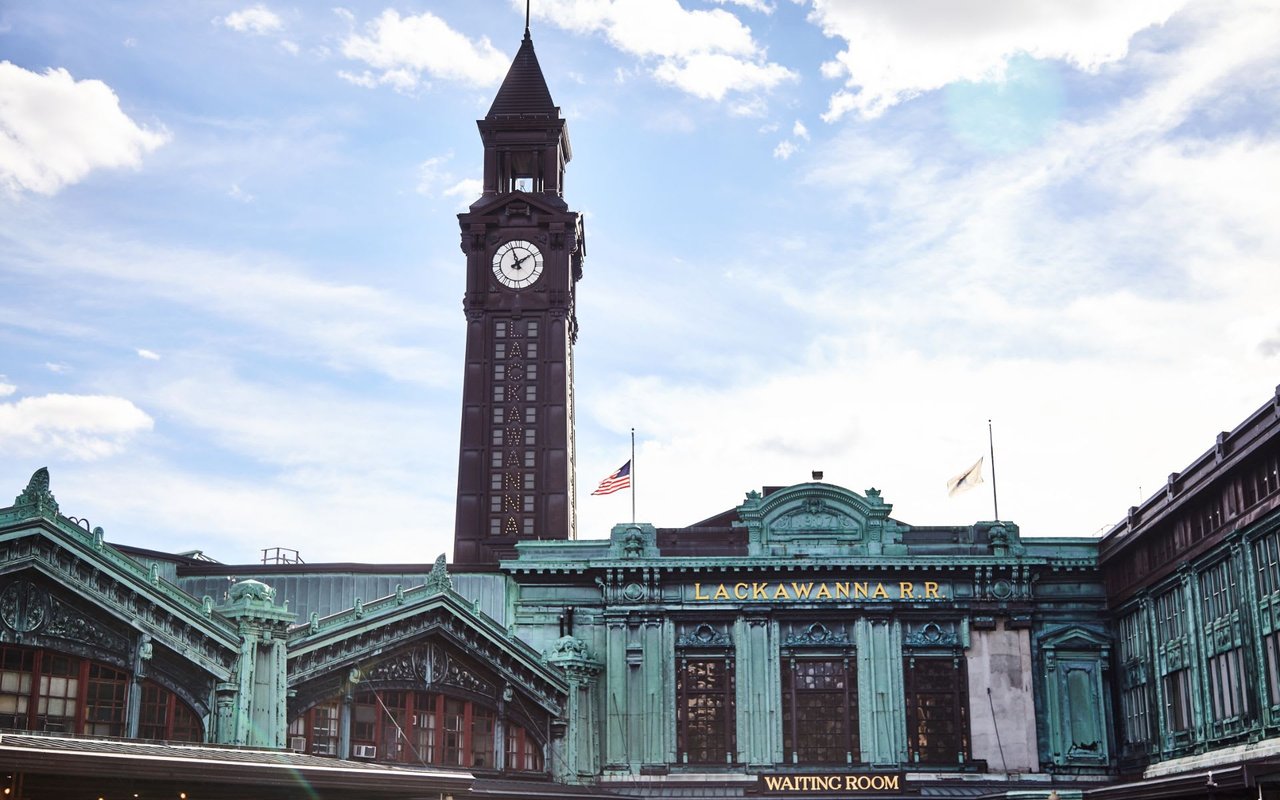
column 995, row 500
column 633, row 476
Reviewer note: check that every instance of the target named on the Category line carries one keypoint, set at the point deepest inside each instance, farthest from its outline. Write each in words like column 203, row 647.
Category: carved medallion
column 23, row 606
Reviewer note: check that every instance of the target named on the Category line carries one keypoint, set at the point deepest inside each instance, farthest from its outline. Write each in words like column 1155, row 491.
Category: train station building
column 804, row 643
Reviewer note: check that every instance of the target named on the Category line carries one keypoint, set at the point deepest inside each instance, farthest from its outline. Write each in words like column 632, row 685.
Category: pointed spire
column 524, row 91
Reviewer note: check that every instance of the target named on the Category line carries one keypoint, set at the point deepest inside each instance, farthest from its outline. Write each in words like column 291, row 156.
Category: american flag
column 620, row 479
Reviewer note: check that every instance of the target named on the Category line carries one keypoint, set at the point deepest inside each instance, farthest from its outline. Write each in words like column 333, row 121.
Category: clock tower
column 524, row 251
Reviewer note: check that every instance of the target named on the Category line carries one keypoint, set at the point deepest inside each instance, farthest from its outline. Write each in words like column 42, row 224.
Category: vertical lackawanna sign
column 822, row 784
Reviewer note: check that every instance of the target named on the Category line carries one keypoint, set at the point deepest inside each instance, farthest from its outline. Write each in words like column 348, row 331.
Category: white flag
column 966, row 480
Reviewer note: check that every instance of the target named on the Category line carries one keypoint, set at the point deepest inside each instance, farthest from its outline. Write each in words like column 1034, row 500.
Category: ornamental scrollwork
column 817, row 635
column 931, row 634
column 458, row 675
column 814, row 515
column 68, row 623
column 703, row 635
column 405, row 666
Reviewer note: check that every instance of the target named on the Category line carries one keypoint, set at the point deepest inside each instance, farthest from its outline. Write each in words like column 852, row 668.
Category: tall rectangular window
column 1134, row 690
column 104, row 706
column 937, row 701
column 426, row 724
column 59, row 693
column 1175, row 682
column 482, row 737
column 394, row 718
column 454, row 729
column 820, row 711
column 17, row 667
column 705, row 716
column 1266, row 554
column 1228, row 684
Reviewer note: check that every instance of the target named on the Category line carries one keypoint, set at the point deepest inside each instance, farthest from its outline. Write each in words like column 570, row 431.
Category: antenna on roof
column 526, row 16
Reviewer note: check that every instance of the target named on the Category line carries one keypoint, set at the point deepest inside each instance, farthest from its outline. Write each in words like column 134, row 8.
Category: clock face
column 517, row 264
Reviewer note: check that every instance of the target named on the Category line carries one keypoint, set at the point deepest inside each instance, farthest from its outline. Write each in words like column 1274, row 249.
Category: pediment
column 1075, row 637
column 519, row 204
column 438, row 638
column 62, row 586
column 816, row 519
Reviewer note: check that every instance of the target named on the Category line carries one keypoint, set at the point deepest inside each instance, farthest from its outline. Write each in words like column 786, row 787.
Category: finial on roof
column 526, row 17
column 438, row 579
column 37, row 497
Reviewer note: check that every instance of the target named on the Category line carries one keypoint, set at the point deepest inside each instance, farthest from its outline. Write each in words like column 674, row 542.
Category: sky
column 821, row 235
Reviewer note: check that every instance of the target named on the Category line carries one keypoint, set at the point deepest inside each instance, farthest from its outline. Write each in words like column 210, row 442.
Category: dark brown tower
column 524, row 251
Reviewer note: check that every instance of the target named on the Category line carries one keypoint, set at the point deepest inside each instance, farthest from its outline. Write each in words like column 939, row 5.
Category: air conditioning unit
column 365, row 751
column 298, row 744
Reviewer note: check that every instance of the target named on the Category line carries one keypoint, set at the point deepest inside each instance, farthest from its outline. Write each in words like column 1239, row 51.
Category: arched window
column 411, row 727
column 163, row 716
column 43, row 690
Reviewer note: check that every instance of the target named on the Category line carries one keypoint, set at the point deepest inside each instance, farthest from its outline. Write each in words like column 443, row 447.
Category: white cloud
column 284, row 311
column 236, row 192
column 83, row 427
column 6, row 388
column 706, row 53
column 364, row 79
column 1109, row 289
column 431, row 174
column 149, row 355
column 435, row 180
column 751, row 5
column 316, row 514
column 256, row 20
column 401, row 50
column 800, row 131
column 711, row 75
column 784, row 150
column 289, row 47
column 748, row 107
column 467, row 189
column 57, row 368
column 897, row 49
column 55, row 130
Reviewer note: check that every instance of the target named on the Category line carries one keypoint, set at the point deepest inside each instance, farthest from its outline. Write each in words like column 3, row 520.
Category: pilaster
column 881, row 716
column 757, row 690
column 580, row 761
column 615, row 698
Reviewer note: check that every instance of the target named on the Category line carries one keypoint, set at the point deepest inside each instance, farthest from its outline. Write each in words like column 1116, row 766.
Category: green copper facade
column 805, row 637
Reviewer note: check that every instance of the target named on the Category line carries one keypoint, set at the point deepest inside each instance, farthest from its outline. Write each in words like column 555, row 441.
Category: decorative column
column 259, row 715
column 580, row 761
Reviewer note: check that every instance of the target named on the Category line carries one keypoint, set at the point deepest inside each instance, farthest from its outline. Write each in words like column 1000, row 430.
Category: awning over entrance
column 35, row 767
column 40, row 767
